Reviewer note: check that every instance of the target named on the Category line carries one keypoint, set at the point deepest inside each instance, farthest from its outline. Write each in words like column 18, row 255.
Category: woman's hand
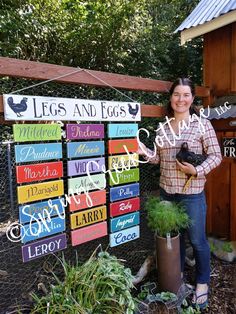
column 142, row 149
column 186, row 167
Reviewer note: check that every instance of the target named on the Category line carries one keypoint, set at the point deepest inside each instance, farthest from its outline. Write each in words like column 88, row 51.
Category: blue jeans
column 195, row 206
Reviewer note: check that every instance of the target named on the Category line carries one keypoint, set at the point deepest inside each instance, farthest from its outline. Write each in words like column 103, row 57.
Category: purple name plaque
column 79, row 167
column 44, row 247
column 84, row 131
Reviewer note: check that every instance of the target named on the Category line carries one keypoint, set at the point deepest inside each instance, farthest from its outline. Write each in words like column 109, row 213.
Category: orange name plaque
column 118, row 146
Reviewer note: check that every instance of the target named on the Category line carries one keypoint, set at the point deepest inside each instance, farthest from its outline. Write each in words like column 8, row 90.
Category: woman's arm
column 149, row 155
column 212, row 149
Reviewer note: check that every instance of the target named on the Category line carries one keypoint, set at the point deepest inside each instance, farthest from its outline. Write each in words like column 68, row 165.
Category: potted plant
column 167, row 219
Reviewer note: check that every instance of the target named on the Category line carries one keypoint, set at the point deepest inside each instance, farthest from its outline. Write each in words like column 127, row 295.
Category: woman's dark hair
column 180, row 81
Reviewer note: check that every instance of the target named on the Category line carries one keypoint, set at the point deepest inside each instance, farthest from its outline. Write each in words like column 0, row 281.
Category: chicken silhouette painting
column 184, row 155
column 17, row 107
column 133, row 111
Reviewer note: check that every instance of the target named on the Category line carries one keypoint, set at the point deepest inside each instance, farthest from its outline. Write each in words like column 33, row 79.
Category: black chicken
column 185, row 155
column 17, row 108
column 133, row 111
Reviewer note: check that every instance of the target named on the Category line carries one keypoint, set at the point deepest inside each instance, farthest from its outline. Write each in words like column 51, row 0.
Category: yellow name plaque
column 123, row 161
column 88, row 217
column 39, row 191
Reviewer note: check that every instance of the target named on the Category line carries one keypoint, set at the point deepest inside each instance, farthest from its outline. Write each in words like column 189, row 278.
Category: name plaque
column 82, row 201
column 88, row 217
column 36, row 132
column 125, row 176
column 85, row 149
column 43, row 247
column 229, row 147
column 38, row 152
column 118, row 146
column 40, row 108
column 124, row 191
column 34, row 210
column 84, row 131
column 89, row 233
column 39, row 191
column 81, row 166
column 42, row 229
column 38, row 172
column 123, row 161
column 86, row 183
column 124, row 236
column 124, row 207
column 122, row 130
column 125, row 221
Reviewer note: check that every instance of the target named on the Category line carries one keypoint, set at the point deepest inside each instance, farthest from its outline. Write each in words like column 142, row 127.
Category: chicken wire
column 18, row 279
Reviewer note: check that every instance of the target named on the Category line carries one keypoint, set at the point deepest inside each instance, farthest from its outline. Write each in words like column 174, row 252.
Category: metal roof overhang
column 192, row 32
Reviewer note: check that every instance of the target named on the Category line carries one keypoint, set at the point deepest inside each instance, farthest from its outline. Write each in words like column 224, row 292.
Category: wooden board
column 36, row 132
column 39, row 172
column 88, row 217
column 89, row 233
column 120, row 146
column 124, row 236
column 39, row 191
column 84, row 131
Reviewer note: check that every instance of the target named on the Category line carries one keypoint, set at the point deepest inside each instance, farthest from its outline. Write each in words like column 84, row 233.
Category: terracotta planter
column 168, row 263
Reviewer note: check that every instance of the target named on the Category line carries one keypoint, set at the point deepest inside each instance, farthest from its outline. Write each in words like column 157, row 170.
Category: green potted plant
column 167, row 219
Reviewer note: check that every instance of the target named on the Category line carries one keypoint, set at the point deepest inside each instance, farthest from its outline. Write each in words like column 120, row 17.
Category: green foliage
column 134, row 37
column 165, row 217
column 227, row 247
column 100, row 285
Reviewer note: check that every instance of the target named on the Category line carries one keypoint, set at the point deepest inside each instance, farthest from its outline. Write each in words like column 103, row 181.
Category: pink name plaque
column 84, row 131
column 86, row 234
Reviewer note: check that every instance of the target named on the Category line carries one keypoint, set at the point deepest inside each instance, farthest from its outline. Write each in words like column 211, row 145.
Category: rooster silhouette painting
column 133, row 111
column 17, row 108
column 184, row 155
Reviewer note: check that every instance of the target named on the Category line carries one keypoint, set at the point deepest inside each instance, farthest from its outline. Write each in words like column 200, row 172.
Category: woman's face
column 181, row 99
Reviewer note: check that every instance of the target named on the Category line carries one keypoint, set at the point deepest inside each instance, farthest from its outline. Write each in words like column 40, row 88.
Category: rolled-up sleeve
column 211, row 148
column 153, row 156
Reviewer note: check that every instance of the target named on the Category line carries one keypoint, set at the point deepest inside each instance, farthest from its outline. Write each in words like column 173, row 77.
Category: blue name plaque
column 122, row 130
column 35, row 152
column 38, row 229
column 124, row 191
column 48, row 208
column 124, row 222
column 124, row 236
column 82, row 149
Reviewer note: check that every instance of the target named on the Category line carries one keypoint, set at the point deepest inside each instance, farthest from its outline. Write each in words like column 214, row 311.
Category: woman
column 183, row 125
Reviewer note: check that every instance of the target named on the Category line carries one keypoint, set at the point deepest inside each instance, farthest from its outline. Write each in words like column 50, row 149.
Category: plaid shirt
column 200, row 137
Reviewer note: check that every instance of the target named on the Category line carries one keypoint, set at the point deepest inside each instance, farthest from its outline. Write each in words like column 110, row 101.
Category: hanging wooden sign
column 42, row 229
column 229, row 147
column 36, row 132
column 84, row 131
column 85, row 149
column 117, row 146
column 124, row 207
column 31, row 211
column 89, row 233
column 39, row 191
column 122, row 130
column 124, row 221
column 37, row 172
column 86, row 183
column 43, row 247
column 124, row 236
column 124, row 192
column 81, row 166
column 36, row 108
column 36, row 152
column 123, row 161
column 125, row 176
column 86, row 200
column 88, row 217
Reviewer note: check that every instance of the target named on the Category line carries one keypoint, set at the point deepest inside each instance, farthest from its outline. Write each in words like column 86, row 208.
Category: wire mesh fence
column 18, row 279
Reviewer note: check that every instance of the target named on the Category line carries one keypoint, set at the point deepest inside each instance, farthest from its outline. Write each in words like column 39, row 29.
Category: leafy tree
column 134, row 37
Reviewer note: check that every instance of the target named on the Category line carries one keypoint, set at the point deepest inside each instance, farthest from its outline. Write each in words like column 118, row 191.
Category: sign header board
column 37, row 108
